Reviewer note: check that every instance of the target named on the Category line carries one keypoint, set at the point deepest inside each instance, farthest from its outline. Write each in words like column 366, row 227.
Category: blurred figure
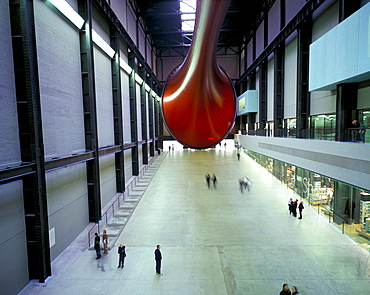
column 214, row 180
column 208, row 180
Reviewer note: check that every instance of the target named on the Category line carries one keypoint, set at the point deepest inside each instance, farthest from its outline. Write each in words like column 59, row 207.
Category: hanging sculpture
column 198, row 100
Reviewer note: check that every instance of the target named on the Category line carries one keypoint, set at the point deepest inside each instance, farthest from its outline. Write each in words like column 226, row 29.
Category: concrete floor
column 216, row 241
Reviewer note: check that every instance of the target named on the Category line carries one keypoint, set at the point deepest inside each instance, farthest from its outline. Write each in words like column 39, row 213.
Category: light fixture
column 124, row 65
column 99, row 41
column 68, row 12
column 138, row 79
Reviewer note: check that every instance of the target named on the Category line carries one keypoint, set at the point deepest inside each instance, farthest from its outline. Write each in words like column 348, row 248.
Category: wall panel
column 322, row 102
column 9, row 133
column 325, row 22
column 273, row 21
column 58, row 53
column 12, row 239
column 103, row 89
column 67, row 205
column 290, row 80
column 107, row 178
column 270, row 90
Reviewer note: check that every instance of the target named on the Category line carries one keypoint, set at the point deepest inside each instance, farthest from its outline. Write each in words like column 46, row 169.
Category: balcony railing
column 350, row 134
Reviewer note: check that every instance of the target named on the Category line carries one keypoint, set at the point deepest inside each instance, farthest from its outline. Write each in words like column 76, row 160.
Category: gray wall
column 67, row 205
column 13, row 249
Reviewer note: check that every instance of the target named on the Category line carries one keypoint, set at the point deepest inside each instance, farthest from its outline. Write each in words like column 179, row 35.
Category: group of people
column 209, row 179
column 122, row 252
column 286, row 290
column 244, row 183
column 97, row 244
column 293, row 205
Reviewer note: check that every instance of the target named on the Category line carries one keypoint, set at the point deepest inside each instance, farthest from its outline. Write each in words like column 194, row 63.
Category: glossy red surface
column 198, row 101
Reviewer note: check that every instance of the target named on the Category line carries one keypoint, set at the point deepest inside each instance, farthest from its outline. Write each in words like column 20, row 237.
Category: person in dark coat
column 158, row 259
column 300, row 208
column 122, row 255
column 97, row 246
column 294, row 208
column 290, row 206
column 208, row 180
column 285, row 290
column 214, row 180
column 294, row 290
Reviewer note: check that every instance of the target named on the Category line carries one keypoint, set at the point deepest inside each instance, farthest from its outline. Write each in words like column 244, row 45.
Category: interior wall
column 290, row 80
column 107, row 179
column 67, row 205
column 322, row 102
column 270, row 90
column 13, row 248
column 60, row 83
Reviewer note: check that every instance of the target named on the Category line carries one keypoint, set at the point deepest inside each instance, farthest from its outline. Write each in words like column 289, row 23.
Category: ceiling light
column 124, row 65
column 138, row 79
column 102, row 44
column 68, row 12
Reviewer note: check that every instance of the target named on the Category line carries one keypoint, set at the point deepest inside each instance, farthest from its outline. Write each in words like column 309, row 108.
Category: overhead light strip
column 124, row 65
column 68, row 12
column 99, row 41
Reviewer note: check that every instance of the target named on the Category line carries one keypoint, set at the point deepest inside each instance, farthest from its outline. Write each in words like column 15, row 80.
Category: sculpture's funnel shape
column 198, row 100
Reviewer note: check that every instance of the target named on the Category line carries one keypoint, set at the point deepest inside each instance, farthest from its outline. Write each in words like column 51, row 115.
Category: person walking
column 214, row 180
column 122, row 255
column 238, row 156
column 241, row 186
column 247, row 183
column 97, row 246
column 285, row 290
column 158, row 259
column 208, row 180
column 300, row 208
column 105, row 242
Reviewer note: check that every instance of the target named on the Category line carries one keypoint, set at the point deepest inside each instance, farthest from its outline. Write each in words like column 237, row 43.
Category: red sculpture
column 198, row 100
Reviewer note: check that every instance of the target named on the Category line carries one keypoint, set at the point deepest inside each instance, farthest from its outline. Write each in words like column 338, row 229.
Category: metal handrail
column 129, row 186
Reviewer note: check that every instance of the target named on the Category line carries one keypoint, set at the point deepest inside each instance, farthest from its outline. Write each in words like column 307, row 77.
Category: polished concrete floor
column 216, row 241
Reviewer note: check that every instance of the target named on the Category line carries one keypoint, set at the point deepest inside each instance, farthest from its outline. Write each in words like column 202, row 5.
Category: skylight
column 187, row 8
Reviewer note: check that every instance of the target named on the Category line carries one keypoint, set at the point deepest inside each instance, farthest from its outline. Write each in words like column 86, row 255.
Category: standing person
column 285, row 290
column 241, row 186
column 122, row 255
column 354, row 130
column 214, row 180
column 300, row 208
column 208, row 180
column 238, row 156
column 294, row 290
column 290, row 206
column 105, row 242
column 97, row 246
column 158, row 259
column 225, row 145
column 361, row 132
column 294, row 208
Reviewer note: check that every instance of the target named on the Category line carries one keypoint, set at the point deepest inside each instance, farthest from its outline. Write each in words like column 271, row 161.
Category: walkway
column 216, row 241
